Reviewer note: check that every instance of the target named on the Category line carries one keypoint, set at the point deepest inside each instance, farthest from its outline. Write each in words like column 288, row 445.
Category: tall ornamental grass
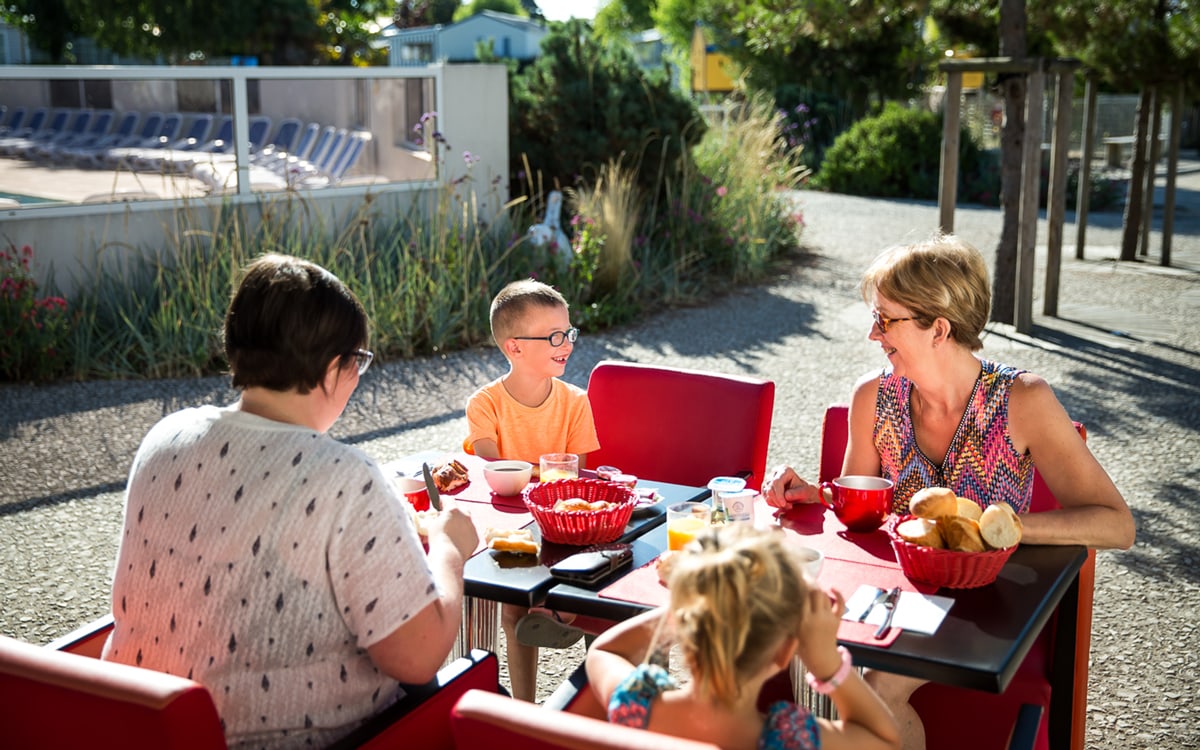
column 427, row 277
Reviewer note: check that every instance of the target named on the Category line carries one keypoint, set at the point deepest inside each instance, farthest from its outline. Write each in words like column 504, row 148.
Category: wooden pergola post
column 1084, row 192
column 1035, row 70
column 948, row 179
column 1031, row 165
column 1057, row 199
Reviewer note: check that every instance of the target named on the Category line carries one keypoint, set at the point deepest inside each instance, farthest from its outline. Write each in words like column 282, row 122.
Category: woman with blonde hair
column 740, row 610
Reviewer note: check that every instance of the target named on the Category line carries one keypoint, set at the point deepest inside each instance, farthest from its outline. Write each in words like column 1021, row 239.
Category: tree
column 582, row 104
column 1147, row 45
column 865, row 52
column 618, row 18
column 277, row 32
column 416, row 13
column 512, row 7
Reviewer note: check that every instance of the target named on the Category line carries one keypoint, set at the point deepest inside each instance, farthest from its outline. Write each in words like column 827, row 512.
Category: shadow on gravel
column 1165, row 548
column 1161, row 388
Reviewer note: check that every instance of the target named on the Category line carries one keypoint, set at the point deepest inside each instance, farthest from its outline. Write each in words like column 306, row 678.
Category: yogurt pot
column 719, row 487
column 739, row 506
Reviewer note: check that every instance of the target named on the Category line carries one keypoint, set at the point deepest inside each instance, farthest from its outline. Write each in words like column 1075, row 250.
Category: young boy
column 522, row 415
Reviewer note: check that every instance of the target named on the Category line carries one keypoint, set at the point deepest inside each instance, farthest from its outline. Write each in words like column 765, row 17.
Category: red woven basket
column 580, row 527
column 944, row 567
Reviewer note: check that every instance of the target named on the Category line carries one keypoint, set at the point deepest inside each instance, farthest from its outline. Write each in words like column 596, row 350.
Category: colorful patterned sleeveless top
column 981, row 462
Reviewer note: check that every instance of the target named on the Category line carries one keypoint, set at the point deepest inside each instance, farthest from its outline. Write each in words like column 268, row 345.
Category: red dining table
column 493, row 578
column 980, row 644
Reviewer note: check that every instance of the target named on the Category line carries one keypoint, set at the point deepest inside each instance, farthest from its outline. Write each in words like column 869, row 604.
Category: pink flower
column 721, row 191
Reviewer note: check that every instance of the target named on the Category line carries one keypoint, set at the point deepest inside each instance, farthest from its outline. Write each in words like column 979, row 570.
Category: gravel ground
column 1124, row 357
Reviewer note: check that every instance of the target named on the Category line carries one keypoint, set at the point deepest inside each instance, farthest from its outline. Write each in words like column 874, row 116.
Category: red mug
column 860, row 502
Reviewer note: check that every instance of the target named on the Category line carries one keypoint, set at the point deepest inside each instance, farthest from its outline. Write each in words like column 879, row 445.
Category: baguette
column 961, row 534
column 518, row 541
column 933, row 502
column 1000, row 526
column 968, row 508
column 922, row 532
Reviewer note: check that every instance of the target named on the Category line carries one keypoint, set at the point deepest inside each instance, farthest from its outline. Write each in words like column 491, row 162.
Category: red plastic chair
column 680, row 426
column 482, row 720
column 951, row 714
column 111, row 705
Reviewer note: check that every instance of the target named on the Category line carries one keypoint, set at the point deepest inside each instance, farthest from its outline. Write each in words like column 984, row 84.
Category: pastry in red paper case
column 450, row 476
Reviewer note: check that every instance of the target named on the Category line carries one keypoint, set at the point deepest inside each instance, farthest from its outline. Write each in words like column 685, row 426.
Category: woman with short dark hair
column 266, row 560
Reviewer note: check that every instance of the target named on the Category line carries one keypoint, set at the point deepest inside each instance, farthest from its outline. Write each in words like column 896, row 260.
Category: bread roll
column 921, row 531
column 662, row 566
column 1000, row 526
column 572, row 504
column 961, row 534
column 968, row 508
column 519, row 541
column 933, row 502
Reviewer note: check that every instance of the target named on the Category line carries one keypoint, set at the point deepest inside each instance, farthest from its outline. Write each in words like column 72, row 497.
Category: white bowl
column 507, row 477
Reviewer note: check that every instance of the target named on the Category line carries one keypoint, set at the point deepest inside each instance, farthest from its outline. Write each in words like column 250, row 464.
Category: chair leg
column 1024, row 734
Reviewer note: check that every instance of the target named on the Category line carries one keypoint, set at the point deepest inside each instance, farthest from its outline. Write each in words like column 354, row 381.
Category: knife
column 880, row 595
column 890, row 605
column 435, row 499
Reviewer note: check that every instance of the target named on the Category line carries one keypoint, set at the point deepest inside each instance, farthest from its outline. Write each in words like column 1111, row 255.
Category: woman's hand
column 785, row 487
column 457, row 527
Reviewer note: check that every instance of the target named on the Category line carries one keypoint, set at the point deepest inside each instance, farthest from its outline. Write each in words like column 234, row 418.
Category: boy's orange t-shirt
column 560, row 424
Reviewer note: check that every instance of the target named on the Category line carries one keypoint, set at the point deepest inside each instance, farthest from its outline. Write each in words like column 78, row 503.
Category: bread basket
column 580, row 527
column 943, row 567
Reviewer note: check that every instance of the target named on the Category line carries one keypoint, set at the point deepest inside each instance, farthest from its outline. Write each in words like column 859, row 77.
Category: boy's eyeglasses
column 363, row 358
column 883, row 322
column 556, row 339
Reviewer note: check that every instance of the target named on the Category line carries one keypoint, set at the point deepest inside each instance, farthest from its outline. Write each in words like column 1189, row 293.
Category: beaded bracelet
column 825, row 687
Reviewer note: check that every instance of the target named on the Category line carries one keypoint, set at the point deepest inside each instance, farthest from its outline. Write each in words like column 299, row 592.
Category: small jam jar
column 625, row 480
column 607, row 472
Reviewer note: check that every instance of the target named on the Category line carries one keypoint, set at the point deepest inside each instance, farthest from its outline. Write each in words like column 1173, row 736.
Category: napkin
column 640, row 586
column 920, row 613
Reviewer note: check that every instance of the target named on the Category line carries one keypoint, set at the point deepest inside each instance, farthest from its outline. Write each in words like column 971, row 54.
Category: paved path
column 1124, row 358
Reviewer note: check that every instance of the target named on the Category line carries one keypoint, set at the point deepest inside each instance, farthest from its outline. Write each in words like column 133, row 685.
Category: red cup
column 860, row 502
column 414, row 491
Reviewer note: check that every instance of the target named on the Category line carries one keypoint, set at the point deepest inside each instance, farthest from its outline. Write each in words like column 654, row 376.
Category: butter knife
column 889, row 604
column 880, row 595
column 435, row 498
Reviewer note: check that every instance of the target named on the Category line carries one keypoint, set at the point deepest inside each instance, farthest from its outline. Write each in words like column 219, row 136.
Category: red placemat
column 640, row 586
column 816, row 526
column 846, row 576
column 488, row 516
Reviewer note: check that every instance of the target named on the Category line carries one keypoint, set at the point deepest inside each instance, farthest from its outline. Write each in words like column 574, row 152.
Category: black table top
column 980, row 644
column 524, row 580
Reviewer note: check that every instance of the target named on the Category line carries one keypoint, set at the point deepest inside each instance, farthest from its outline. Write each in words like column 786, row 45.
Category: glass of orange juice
column 684, row 522
column 558, row 466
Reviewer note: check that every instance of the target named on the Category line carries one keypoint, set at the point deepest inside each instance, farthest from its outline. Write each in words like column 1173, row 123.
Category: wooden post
column 1031, row 153
column 1084, row 193
column 1057, row 199
column 1172, row 171
column 1154, row 153
column 948, row 181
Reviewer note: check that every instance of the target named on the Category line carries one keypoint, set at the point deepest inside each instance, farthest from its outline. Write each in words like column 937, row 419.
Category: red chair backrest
column 680, row 426
column 54, row 699
column 486, row 720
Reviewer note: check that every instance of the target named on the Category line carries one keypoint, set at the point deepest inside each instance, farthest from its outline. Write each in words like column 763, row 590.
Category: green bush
column 895, row 154
column 582, row 104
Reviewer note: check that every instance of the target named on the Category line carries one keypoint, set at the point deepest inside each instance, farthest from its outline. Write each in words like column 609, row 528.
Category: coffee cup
column 860, row 502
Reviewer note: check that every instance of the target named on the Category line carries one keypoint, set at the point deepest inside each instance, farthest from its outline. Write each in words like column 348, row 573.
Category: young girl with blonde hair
column 740, row 610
